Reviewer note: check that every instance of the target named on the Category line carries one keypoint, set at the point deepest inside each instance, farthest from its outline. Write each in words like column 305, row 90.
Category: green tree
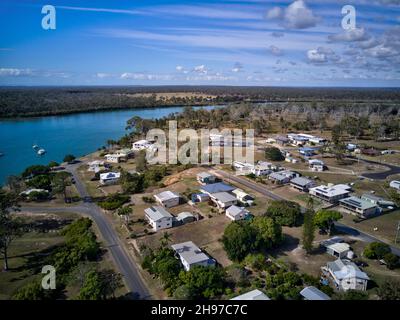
column 69, row 158
column 53, row 164
column 10, row 226
column 125, row 212
column 325, row 220
column 376, row 250
column 274, row 154
column 34, row 291
column 140, row 161
column 392, row 261
column 60, row 182
column 238, row 240
column 204, row 282
column 352, row 295
column 40, row 182
column 286, row 213
column 268, row 232
column 93, row 287
column 309, row 227
column 35, row 170
column 389, row 290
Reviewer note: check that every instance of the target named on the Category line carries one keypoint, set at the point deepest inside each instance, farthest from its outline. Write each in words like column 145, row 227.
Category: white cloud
column 238, row 67
column 351, row 35
column 200, row 69
column 102, row 75
column 14, row 72
column 146, row 76
column 296, row 16
column 316, row 56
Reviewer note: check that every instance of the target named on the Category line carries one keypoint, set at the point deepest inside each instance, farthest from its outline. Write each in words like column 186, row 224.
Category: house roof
column 343, row 269
column 252, row 295
column 223, row 197
column 395, row 184
column 189, row 252
column 358, row 203
column 301, row 181
column 312, row 293
column 240, row 193
column 110, row 175
column 184, row 215
column 217, row 187
column 167, row 195
column 235, row 211
column 157, row 213
column 205, row 175
column 339, row 247
column 331, row 191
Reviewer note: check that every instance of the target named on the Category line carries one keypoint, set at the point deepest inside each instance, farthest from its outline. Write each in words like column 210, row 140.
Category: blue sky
column 227, row 42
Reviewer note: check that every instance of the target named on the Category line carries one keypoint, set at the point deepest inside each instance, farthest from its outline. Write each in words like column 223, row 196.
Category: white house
column 259, row 170
column 359, row 207
column 114, row 157
column 395, row 185
column 206, row 178
column 236, row 213
column 331, row 193
column 252, row 295
column 339, row 250
column 346, row 275
column 223, row 199
column 142, row 145
column 158, row 218
column 95, row 166
column 109, row 178
column 191, row 255
column 242, row 166
column 243, row 196
column 167, row 199
column 316, row 165
column 312, row 293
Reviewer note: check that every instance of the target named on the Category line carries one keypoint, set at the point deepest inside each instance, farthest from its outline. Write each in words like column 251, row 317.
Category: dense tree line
column 41, row 101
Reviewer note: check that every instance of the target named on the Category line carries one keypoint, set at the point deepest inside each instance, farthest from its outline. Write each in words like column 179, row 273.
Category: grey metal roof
column 156, row 213
column 346, row 269
column 223, row 197
column 357, row 202
column 312, row 293
column 252, row 295
column 205, row 174
column 234, row 210
column 217, row 187
column 167, row 195
column 189, row 252
column 301, row 181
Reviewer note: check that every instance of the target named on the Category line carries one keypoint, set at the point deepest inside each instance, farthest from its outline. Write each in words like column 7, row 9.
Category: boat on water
column 35, row 147
column 41, row 152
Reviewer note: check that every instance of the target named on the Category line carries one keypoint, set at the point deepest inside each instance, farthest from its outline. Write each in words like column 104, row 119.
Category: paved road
column 392, row 169
column 262, row 189
column 124, row 262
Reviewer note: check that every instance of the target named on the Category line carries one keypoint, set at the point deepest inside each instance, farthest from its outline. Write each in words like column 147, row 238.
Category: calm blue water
column 77, row 134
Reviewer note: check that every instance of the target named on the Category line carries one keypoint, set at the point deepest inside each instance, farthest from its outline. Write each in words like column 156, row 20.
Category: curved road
column 379, row 175
column 340, row 226
column 122, row 259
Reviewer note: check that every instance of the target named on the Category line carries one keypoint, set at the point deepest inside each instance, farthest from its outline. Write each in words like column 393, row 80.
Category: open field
column 386, row 225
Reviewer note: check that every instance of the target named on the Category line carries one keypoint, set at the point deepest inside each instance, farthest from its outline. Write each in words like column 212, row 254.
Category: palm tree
column 166, row 238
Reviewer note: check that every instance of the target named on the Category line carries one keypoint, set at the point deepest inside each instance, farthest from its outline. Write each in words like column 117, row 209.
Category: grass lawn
column 27, row 252
column 386, row 224
column 24, row 257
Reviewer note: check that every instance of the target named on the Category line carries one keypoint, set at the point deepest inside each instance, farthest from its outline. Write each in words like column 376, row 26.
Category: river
column 77, row 134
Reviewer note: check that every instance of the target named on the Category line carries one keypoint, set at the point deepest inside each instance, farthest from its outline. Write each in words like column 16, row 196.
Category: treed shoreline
column 24, row 102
